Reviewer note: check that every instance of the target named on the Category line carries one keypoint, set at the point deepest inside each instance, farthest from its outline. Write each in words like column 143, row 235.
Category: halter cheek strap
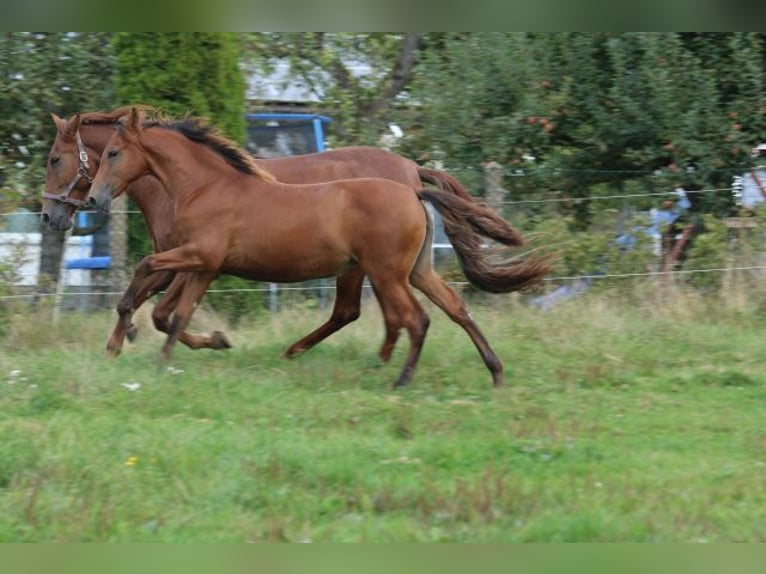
column 82, row 173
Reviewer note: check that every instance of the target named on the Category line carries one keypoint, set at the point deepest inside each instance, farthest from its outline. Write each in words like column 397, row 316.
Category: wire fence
column 330, row 287
column 556, row 197
column 561, row 198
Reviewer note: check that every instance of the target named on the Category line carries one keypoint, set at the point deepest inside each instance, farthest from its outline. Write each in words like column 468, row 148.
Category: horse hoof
column 292, row 352
column 219, row 341
column 112, row 352
column 131, row 333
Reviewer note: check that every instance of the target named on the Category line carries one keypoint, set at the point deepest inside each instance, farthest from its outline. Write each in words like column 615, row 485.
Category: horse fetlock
column 405, row 378
column 113, row 349
column 386, row 350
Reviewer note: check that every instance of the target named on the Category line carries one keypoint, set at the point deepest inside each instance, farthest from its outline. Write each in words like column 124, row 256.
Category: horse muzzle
column 101, row 198
column 56, row 220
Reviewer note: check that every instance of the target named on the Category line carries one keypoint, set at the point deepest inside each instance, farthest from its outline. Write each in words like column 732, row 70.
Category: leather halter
column 82, row 173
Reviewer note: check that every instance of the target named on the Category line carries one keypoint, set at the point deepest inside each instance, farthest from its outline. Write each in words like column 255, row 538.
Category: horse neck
column 182, row 166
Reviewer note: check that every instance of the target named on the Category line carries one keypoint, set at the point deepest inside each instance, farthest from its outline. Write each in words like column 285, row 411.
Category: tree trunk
column 51, row 253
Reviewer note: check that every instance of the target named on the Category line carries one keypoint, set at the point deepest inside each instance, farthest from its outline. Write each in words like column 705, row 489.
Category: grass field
column 622, row 420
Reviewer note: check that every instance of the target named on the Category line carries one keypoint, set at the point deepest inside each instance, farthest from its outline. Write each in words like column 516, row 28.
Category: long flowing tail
column 464, row 222
column 443, row 181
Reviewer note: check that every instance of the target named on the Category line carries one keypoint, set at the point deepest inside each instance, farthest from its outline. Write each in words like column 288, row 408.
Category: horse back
column 344, row 163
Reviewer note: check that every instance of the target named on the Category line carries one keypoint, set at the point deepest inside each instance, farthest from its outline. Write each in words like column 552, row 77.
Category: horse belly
column 288, row 263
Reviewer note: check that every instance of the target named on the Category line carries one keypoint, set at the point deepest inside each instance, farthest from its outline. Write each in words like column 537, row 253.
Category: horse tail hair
column 503, row 232
column 465, row 222
column 443, row 181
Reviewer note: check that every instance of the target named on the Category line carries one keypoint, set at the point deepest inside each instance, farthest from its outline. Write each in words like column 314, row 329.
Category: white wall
column 76, row 247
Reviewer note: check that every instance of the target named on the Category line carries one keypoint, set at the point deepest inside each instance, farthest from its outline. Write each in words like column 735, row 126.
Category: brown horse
column 232, row 214
column 76, row 153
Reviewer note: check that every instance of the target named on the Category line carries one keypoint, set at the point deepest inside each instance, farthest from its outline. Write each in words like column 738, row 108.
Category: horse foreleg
column 348, row 296
column 434, row 287
column 128, row 305
column 164, row 308
column 192, row 288
column 136, row 291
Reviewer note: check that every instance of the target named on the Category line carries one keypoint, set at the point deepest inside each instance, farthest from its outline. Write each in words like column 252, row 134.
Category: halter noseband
column 82, row 173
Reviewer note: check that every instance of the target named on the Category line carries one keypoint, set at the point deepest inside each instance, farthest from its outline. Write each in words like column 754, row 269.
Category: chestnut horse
column 232, row 214
column 75, row 155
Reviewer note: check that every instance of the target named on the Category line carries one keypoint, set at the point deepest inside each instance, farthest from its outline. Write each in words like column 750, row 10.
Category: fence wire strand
column 367, row 286
column 562, row 199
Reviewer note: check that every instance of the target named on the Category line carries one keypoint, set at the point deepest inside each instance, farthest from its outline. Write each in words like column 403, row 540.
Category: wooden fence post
column 493, row 178
column 118, row 244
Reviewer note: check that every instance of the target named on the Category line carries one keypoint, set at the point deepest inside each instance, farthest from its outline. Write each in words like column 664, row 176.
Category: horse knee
column 124, row 307
column 160, row 319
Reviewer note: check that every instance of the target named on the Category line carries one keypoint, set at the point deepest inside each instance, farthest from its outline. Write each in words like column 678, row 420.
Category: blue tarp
column 89, row 263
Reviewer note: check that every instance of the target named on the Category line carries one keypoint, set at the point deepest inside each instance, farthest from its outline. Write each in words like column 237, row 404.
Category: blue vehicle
column 285, row 134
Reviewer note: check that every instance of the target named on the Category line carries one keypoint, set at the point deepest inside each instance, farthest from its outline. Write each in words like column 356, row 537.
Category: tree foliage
column 570, row 116
column 586, row 114
column 41, row 73
column 194, row 73
column 185, row 73
column 359, row 77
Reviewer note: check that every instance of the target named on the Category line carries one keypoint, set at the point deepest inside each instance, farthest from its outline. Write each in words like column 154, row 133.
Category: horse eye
column 112, row 153
column 55, row 160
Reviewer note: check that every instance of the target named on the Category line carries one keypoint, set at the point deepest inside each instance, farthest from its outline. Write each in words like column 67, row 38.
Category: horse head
column 69, row 173
column 122, row 162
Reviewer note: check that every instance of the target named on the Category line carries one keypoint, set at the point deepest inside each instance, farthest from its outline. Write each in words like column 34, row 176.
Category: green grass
column 621, row 421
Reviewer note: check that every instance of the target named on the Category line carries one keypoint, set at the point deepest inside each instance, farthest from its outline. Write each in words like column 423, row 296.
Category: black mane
column 199, row 131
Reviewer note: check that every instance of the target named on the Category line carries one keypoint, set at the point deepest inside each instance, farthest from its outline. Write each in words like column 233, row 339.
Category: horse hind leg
column 433, row 286
column 393, row 328
column 346, row 309
column 402, row 310
column 423, row 260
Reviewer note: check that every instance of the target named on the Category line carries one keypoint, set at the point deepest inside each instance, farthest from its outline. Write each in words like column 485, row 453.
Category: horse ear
column 73, row 125
column 134, row 123
column 60, row 123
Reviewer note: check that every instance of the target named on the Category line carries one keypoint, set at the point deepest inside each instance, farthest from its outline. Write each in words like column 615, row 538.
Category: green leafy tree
column 359, row 77
column 583, row 115
column 41, row 73
column 185, row 73
column 194, row 73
